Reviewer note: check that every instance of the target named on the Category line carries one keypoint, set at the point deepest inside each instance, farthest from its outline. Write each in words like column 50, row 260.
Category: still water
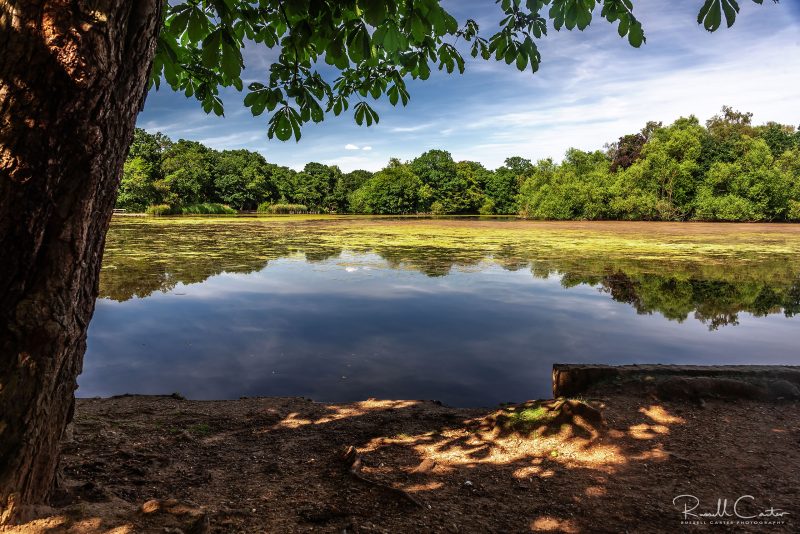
column 469, row 312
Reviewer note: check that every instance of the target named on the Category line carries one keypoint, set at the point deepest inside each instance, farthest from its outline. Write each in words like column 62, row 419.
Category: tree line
column 725, row 170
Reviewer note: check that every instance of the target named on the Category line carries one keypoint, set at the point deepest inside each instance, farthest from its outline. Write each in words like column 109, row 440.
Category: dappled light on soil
column 293, row 420
column 645, row 431
column 58, row 524
column 551, row 524
column 277, row 464
column 660, row 415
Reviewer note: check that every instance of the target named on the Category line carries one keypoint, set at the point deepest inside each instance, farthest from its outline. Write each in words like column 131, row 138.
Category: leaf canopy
column 328, row 54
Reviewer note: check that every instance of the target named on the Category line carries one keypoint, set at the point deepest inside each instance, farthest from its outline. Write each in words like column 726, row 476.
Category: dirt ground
column 162, row 464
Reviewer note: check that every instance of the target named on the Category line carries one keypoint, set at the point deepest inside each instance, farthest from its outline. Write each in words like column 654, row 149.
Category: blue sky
column 592, row 88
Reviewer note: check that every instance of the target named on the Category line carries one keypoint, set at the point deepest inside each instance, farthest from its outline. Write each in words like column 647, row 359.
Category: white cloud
column 366, row 148
column 409, row 129
column 350, row 146
column 232, row 141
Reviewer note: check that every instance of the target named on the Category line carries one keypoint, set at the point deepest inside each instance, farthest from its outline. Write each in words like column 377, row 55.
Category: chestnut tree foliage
column 336, row 55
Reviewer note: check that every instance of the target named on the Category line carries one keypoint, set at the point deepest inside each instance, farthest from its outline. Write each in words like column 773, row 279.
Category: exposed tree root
column 353, row 461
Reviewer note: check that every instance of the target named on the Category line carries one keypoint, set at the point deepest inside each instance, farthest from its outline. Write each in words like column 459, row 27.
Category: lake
column 472, row 312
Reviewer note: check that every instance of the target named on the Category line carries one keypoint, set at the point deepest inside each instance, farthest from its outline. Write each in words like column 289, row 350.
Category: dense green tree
column 576, row 189
column 662, row 182
column 346, row 184
column 503, row 185
column 443, row 190
column 501, row 192
column 537, row 195
column 149, row 147
column 725, row 130
column 313, row 187
column 789, row 163
column 242, row 179
column 284, row 183
column 779, row 137
column 519, row 167
column 137, row 190
column 392, row 191
column 626, row 151
column 725, row 171
column 141, row 170
column 751, row 188
column 188, row 173
column 474, row 177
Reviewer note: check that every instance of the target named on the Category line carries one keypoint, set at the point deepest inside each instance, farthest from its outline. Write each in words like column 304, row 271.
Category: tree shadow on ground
column 276, row 465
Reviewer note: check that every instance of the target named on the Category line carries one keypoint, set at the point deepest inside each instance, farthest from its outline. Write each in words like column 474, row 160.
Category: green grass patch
column 161, row 209
column 282, row 208
column 207, row 208
column 527, row 419
column 200, row 429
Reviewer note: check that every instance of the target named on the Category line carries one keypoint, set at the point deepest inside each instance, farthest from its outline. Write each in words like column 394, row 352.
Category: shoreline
column 455, row 217
column 610, row 459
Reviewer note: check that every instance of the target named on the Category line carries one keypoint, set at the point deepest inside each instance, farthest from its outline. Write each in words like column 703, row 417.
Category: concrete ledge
column 573, row 379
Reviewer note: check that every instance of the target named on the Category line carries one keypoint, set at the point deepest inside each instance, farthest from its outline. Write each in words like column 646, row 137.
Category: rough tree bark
column 73, row 76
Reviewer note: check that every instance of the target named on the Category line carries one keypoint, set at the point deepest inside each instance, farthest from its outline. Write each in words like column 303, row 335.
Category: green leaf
column 358, row 45
column 624, row 24
column 210, row 52
column 198, row 25
column 451, row 24
column 359, row 113
column 251, row 99
column 178, row 23
column 584, row 18
column 231, row 61
column 374, row 11
column 364, row 113
column 522, row 61
column 294, row 120
column 704, row 11
column 636, row 34
column 730, row 8
column 571, row 15
column 418, row 28
column 216, row 106
column 393, row 40
column 283, row 127
column 710, row 15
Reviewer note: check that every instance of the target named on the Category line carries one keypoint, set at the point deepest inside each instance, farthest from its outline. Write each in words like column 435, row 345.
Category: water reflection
column 145, row 258
column 469, row 314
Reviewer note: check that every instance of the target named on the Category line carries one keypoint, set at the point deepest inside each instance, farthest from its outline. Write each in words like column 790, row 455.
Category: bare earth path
column 160, row 464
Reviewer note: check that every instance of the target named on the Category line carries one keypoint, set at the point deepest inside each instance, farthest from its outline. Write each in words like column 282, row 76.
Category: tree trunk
column 73, row 76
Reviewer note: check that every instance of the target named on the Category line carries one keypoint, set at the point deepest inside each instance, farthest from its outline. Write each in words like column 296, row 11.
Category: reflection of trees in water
column 141, row 260
column 714, row 302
